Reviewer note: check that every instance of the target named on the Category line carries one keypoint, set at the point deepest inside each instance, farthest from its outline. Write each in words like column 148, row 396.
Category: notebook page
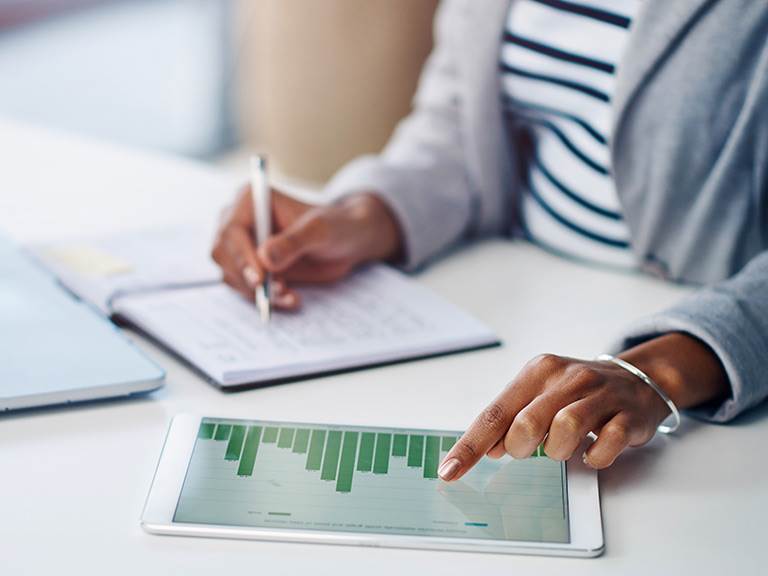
column 377, row 315
column 97, row 269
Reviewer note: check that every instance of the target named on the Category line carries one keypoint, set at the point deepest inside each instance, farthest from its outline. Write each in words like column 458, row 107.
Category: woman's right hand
column 316, row 244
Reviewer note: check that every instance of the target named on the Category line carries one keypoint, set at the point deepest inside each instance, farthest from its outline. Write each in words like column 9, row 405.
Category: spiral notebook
column 376, row 316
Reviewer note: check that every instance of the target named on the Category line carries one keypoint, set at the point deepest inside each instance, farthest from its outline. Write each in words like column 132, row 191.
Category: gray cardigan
column 689, row 154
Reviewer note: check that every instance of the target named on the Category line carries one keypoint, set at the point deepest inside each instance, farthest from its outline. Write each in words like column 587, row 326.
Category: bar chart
column 334, row 454
column 267, row 474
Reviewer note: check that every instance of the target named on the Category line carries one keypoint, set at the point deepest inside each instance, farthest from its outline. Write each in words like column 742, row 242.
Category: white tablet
column 286, row 481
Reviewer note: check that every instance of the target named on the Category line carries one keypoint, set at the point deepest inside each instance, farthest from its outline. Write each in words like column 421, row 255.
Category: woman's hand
column 559, row 401
column 309, row 243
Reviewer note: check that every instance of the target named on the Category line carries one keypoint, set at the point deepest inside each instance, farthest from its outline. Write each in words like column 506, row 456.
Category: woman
column 632, row 133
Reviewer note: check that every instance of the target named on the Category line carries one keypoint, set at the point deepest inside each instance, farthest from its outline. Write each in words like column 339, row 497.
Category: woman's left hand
column 559, row 401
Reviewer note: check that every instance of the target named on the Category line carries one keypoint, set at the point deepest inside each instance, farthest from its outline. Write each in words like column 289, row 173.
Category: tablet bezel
column 583, row 502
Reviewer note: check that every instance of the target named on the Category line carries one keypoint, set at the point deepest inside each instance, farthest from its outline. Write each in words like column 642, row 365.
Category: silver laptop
column 55, row 349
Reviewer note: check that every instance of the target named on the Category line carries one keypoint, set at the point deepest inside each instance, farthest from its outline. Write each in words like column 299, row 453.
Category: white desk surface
column 73, row 480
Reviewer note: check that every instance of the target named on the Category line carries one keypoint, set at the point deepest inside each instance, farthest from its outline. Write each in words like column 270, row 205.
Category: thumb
column 300, row 238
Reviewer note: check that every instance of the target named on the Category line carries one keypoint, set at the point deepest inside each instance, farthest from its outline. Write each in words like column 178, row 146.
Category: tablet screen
column 374, row 480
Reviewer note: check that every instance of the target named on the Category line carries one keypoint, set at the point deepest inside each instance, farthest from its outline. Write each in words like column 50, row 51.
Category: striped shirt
column 558, row 68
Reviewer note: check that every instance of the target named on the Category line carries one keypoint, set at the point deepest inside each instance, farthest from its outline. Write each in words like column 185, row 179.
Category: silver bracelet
column 663, row 428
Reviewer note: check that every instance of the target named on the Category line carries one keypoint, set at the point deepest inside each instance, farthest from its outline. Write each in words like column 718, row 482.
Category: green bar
column 270, row 435
column 381, row 459
column 331, row 457
column 365, row 456
column 400, row 445
column 415, row 450
column 315, row 456
column 206, row 431
column 347, row 464
column 431, row 457
column 448, row 442
column 251, row 447
column 301, row 441
column 235, row 443
column 286, row 437
column 222, row 432
column 540, row 450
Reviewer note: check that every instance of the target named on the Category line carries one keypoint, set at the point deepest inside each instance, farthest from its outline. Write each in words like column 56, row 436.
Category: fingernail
column 286, row 300
column 251, row 276
column 448, row 469
column 585, row 459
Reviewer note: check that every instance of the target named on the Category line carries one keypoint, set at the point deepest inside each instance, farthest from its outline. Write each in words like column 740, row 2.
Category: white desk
column 693, row 504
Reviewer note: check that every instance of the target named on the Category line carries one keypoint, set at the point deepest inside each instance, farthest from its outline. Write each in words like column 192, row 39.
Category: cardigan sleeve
column 731, row 317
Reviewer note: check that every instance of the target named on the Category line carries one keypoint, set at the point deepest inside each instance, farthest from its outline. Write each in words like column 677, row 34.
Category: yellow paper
column 90, row 261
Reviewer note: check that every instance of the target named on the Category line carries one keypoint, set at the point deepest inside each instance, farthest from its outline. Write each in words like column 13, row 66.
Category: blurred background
column 313, row 82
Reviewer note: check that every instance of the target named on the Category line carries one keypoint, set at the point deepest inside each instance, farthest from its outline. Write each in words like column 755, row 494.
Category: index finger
column 236, row 255
column 482, row 435
column 488, row 428
column 242, row 212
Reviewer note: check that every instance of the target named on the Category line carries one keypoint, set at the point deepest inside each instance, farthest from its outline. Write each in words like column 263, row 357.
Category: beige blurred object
column 322, row 81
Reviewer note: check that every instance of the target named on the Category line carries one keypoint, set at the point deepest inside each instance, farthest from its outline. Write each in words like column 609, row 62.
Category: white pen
column 262, row 219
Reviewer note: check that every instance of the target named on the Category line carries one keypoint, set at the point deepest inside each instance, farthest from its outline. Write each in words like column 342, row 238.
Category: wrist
column 684, row 367
column 379, row 231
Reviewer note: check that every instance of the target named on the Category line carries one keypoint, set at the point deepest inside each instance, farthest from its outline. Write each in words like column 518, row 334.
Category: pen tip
column 264, row 309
